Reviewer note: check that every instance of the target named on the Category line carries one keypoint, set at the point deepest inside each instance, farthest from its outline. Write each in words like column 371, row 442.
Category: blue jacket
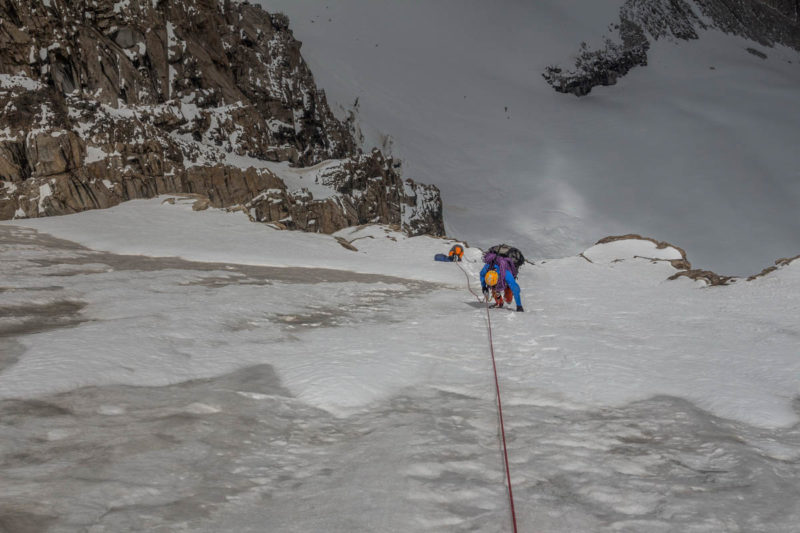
column 510, row 282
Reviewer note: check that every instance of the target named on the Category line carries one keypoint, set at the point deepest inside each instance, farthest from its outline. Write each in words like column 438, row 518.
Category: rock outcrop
column 603, row 66
column 681, row 264
column 710, row 278
column 779, row 263
column 767, row 22
column 713, row 279
column 107, row 101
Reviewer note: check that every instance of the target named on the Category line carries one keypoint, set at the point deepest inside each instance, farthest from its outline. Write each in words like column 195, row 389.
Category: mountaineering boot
column 520, row 309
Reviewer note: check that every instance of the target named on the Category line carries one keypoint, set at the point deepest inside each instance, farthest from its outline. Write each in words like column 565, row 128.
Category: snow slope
column 156, row 228
column 693, row 148
column 153, row 393
column 731, row 350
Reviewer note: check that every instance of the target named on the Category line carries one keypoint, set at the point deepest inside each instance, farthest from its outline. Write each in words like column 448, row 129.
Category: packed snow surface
column 285, row 383
column 694, row 148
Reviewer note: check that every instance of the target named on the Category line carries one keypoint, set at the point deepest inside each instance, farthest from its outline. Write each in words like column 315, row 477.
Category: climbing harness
column 499, row 403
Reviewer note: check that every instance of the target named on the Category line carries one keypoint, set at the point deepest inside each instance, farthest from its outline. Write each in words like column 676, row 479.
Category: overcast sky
column 702, row 157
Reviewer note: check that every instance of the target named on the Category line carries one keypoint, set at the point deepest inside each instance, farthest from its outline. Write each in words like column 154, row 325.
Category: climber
column 499, row 276
column 456, row 253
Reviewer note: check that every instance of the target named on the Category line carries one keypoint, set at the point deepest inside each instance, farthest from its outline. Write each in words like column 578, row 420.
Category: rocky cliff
column 105, row 101
column 766, row 22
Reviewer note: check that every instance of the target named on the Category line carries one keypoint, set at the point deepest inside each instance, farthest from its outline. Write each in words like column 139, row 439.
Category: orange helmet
column 491, row 278
column 457, row 250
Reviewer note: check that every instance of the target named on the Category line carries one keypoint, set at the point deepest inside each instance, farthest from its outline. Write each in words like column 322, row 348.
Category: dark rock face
column 107, row 101
column 370, row 191
column 767, row 22
column 141, row 52
column 604, row 66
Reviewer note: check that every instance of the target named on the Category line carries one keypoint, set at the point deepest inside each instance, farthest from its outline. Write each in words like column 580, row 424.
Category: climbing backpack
column 504, row 250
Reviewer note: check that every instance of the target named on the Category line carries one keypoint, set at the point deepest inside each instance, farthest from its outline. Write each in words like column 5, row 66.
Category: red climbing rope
column 502, row 428
column 499, row 403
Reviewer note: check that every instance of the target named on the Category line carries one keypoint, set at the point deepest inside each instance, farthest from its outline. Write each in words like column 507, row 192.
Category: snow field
column 333, row 401
column 206, row 324
column 149, row 227
column 604, row 333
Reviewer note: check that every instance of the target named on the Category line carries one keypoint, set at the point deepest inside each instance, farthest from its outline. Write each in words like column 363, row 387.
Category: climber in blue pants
column 497, row 275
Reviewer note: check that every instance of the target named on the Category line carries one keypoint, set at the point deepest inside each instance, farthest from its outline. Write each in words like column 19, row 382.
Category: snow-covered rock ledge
column 619, row 248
